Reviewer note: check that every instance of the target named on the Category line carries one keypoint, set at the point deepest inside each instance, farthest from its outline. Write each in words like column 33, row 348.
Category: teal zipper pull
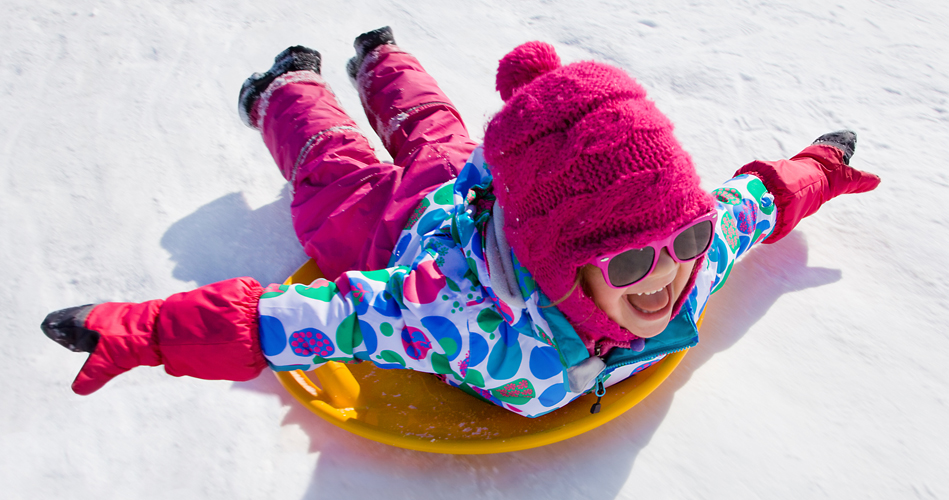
column 600, row 388
column 600, row 392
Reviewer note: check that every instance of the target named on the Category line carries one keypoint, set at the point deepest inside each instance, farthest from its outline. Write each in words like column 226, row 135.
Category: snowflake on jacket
column 435, row 309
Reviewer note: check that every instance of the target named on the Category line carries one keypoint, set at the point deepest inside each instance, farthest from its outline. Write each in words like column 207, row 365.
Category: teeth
column 650, row 293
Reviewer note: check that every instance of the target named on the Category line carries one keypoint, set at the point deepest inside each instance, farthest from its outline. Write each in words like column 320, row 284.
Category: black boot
column 364, row 44
column 296, row 58
column 67, row 328
column 844, row 140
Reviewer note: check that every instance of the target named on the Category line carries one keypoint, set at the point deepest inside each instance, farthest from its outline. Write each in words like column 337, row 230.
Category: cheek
column 682, row 276
column 598, row 292
column 608, row 298
column 596, row 287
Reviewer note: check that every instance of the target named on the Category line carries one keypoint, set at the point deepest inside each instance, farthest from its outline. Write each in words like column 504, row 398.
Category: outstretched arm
column 208, row 333
column 817, row 174
column 766, row 200
column 399, row 317
column 232, row 329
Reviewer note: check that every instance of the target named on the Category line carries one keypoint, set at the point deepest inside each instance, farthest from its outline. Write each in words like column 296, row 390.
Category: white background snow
column 125, row 174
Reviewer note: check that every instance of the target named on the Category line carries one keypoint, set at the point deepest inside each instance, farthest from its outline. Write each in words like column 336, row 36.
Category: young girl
column 570, row 250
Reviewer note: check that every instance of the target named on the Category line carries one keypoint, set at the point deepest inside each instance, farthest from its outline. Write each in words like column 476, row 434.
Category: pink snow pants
column 348, row 207
column 348, row 210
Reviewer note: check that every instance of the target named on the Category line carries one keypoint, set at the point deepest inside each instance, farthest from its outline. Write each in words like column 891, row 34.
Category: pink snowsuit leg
column 348, row 208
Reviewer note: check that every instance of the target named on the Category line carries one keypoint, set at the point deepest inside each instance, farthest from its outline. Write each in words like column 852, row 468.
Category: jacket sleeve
column 391, row 317
column 746, row 216
column 426, row 317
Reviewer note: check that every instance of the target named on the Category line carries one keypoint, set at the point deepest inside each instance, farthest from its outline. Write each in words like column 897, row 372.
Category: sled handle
column 340, row 393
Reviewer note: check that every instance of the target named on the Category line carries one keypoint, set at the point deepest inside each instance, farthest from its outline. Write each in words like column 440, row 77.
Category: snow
column 126, row 174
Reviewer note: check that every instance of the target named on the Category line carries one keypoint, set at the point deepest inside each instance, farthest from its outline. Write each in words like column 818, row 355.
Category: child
column 570, row 250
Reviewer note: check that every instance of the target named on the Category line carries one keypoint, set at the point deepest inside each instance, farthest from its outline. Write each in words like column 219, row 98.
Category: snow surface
column 125, row 174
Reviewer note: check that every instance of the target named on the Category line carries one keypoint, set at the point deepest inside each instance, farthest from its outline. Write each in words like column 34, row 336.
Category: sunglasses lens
column 631, row 266
column 693, row 241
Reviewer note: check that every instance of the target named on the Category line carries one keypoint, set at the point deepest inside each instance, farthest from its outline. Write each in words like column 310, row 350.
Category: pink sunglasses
column 631, row 265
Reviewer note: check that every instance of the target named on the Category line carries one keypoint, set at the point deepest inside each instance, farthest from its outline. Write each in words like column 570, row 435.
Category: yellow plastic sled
column 417, row 411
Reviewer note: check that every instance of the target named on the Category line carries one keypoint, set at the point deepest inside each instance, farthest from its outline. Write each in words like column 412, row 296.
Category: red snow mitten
column 808, row 180
column 208, row 333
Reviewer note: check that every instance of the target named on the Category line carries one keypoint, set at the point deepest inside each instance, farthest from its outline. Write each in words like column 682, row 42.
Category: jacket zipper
column 600, row 387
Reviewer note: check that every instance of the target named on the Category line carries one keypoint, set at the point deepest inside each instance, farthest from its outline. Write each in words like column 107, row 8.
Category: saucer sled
column 417, row 411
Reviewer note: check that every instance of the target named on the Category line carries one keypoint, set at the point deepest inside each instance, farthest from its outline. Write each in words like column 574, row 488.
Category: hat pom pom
column 523, row 64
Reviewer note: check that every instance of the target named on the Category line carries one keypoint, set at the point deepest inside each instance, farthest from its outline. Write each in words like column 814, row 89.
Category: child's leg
column 340, row 189
column 408, row 110
column 420, row 128
column 348, row 209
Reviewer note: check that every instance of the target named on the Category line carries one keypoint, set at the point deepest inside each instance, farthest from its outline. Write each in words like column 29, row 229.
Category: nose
column 665, row 264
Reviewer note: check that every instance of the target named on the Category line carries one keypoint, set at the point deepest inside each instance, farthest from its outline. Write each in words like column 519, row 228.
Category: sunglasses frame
column 603, row 261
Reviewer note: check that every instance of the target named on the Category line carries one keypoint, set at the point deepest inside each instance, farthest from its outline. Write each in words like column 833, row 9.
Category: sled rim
column 343, row 402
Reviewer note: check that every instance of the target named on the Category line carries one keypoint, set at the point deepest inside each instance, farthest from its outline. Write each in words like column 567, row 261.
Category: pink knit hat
column 584, row 165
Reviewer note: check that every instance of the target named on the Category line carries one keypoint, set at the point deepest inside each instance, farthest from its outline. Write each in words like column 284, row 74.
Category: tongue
column 653, row 302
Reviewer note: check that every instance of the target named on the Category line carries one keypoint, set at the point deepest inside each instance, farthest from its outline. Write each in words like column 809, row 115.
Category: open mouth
column 652, row 303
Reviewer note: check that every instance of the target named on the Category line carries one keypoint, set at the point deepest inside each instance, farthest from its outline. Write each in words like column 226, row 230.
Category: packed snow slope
column 125, row 174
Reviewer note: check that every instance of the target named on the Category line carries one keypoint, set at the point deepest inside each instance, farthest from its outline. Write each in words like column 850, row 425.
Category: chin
column 651, row 330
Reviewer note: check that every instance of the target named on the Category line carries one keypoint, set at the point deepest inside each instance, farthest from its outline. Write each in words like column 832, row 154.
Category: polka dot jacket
column 434, row 309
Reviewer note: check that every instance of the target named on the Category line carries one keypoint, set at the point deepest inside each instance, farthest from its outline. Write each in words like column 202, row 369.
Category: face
column 644, row 308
